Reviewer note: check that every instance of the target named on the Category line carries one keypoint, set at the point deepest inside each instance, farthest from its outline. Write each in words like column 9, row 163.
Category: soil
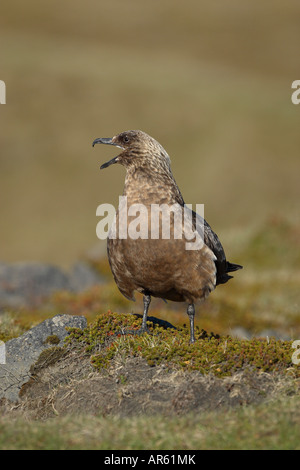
column 66, row 383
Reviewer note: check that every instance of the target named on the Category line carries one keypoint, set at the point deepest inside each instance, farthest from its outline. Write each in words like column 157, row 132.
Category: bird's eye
column 126, row 138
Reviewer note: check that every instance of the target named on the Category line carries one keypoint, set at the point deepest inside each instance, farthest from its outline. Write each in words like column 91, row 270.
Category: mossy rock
column 104, row 340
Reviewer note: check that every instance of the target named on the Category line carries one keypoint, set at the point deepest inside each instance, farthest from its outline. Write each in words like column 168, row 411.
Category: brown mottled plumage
column 160, row 267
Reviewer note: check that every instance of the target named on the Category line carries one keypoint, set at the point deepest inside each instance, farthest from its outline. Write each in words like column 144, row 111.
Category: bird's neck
column 143, row 185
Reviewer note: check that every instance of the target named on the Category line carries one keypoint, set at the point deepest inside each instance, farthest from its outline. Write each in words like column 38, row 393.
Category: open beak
column 108, row 141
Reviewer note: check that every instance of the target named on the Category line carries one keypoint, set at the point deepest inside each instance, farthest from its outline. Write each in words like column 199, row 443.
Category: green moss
column 47, row 357
column 52, row 339
column 222, row 356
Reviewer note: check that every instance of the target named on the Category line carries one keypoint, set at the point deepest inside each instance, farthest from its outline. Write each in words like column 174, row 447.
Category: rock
column 22, row 352
column 82, row 277
column 269, row 333
column 25, row 284
column 242, row 333
column 28, row 284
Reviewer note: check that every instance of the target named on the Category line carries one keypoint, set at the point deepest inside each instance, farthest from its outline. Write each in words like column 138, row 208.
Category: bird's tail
column 223, row 276
column 233, row 267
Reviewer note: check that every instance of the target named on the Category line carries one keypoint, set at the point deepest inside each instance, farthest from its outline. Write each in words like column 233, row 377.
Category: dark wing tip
column 233, row 267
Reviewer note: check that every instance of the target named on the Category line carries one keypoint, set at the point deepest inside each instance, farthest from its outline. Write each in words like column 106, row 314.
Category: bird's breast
column 147, row 250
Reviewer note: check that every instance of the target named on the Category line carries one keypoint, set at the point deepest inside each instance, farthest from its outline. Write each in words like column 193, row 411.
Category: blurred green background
column 211, row 81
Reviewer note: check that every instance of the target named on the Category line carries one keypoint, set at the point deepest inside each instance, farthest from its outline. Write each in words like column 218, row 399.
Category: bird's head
column 138, row 150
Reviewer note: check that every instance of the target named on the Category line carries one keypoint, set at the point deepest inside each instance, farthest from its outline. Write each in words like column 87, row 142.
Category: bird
column 159, row 266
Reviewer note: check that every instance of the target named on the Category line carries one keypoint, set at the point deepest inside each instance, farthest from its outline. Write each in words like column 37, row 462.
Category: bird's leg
column 191, row 314
column 144, row 328
column 147, row 300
